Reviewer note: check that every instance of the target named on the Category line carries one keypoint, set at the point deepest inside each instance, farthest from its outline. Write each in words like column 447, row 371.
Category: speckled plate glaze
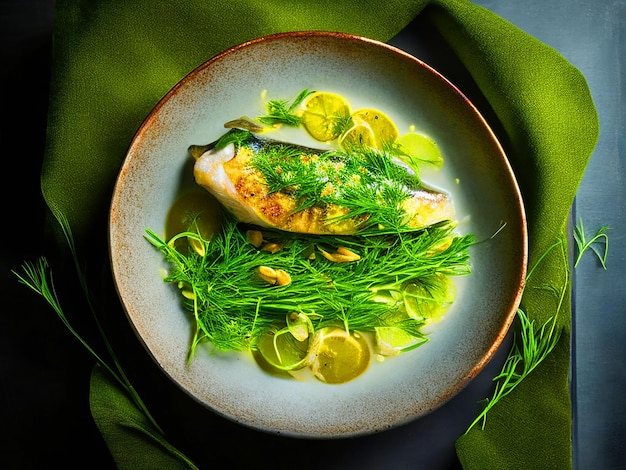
column 369, row 74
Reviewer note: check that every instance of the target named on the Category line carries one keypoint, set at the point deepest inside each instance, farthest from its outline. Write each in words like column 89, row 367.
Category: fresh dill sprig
column 583, row 244
column 530, row 348
column 37, row 276
column 285, row 171
column 233, row 305
column 536, row 344
column 283, row 111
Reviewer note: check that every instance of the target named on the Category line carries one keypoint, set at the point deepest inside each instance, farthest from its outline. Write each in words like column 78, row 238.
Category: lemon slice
column 196, row 212
column 381, row 125
column 391, row 340
column 337, row 356
column 416, row 149
column 360, row 134
column 324, row 115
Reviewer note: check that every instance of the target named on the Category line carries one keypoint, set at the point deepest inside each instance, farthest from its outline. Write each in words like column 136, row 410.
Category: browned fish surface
column 298, row 189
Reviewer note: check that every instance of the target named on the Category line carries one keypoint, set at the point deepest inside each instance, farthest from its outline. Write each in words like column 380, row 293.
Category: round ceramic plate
column 369, row 74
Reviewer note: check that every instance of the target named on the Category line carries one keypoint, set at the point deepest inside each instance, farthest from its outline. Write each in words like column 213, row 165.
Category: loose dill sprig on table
column 583, row 244
column 534, row 343
column 233, row 304
column 37, row 276
column 531, row 346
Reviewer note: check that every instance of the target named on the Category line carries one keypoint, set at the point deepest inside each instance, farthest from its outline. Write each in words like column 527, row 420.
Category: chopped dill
column 363, row 180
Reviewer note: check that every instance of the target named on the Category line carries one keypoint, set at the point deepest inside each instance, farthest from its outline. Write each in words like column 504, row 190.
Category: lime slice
column 381, row 125
column 337, row 356
column 324, row 115
column 391, row 340
column 196, row 212
column 429, row 299
column 418, row 149
column 281, row 351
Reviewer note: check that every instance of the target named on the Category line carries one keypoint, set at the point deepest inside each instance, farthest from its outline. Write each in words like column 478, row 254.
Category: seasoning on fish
column 294, row 188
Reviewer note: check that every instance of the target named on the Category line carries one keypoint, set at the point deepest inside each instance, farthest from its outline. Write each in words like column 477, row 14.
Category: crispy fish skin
column 228, row 173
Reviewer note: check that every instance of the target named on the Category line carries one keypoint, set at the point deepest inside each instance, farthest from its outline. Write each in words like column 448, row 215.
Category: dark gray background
column 44, row 374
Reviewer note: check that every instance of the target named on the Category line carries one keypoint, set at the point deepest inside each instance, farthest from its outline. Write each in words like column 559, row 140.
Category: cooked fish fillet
column 299, row 189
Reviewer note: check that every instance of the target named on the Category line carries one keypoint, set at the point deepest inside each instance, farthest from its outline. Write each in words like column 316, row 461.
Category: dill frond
column 530, row 346
column 233, row 305
column 583, row 244
column 282, row 111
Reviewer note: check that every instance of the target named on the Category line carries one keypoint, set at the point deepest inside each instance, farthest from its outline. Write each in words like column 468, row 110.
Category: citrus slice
column 197, row 212
column 417, row 149
column 391, row 340
column 324, row 115
column 359, row 135
column 429, row 299
column 338, row 356
column 281, row 350
column 381, row 125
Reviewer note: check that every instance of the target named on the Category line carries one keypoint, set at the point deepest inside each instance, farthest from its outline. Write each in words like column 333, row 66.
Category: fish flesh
column 289, row 187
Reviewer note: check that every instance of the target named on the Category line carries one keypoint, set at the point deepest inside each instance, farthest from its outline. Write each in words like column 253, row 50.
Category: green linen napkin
column 114, row 59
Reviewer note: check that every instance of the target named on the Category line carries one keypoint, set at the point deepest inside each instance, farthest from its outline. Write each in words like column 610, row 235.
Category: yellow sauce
column 194, row 211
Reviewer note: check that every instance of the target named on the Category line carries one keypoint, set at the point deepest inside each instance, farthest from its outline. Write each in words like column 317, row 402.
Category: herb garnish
column 283, row 111
column 583, row 244
column 363, row 180
column 232, row 304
